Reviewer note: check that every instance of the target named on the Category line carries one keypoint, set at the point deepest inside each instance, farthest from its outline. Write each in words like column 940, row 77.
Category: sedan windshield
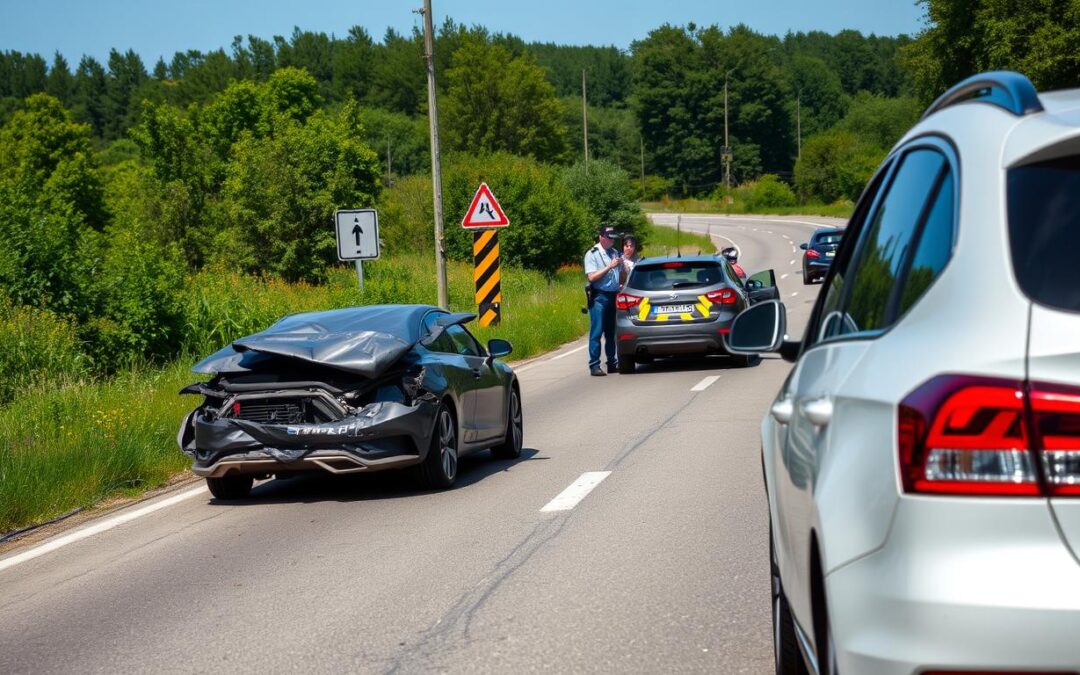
column 671, row 275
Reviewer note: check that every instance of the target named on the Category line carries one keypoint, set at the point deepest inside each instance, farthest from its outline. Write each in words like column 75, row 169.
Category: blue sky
column 153, row 28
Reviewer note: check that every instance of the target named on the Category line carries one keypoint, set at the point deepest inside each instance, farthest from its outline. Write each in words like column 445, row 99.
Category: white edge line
column 794, row 294
column 565, row 354
column 98, row 528
column 569, row 498
column 784, row 276
column 705, row 383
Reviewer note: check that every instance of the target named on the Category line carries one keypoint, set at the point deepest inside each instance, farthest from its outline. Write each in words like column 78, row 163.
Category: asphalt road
column 662, row 567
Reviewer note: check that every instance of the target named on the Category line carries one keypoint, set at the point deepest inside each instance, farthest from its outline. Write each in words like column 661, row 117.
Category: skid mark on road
column 451, row 633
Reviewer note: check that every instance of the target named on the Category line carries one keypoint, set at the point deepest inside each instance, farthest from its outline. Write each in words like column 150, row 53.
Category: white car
column 922, row 460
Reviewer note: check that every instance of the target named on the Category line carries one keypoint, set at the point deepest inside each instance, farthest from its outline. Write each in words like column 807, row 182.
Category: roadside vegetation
column 150, row 216
column 68, row 441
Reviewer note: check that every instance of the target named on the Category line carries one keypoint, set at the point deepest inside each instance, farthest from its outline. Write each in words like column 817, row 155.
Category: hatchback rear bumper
column 671, row 339
column 960, row 585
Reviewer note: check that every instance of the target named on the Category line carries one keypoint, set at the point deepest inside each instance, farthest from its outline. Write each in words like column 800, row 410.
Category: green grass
column 666, row 240
column 63, row 447
column 839, row 210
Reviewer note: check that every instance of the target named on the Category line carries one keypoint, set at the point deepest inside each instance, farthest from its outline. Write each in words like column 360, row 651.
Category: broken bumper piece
column 383, row 435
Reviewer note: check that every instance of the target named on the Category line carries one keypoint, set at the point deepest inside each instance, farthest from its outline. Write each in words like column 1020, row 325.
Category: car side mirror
column 499, row 348
column 803, row 246
column 759, row 328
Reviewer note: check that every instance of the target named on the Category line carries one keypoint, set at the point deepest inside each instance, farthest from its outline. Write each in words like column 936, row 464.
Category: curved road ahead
column 662, row 567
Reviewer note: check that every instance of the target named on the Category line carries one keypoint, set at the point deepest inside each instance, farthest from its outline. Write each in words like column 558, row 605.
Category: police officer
column 602, row 266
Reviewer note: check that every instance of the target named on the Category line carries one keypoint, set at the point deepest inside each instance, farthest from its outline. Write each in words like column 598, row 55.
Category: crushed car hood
column 361, row 340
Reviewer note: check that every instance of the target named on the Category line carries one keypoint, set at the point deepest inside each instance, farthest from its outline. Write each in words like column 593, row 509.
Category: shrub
column 36, row 346
column 770, row 192
column 835, row 165
column 604, row 189
column 548, row 228
column 281, row 193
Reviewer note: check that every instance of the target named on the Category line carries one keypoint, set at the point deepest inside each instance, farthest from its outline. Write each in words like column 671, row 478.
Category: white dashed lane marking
column 565, row 354
column 578, row 490
column 705, row 383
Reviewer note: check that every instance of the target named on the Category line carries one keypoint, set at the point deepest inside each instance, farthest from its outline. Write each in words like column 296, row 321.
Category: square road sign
column 357, row 234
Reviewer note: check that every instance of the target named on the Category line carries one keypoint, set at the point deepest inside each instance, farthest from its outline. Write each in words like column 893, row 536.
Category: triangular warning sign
column 484, row 211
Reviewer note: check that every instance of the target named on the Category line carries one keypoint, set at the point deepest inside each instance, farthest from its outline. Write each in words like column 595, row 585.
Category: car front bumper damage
column 381, row 435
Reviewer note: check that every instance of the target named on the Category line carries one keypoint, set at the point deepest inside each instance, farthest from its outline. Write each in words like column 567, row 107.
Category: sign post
column 357, row 233
column 483, row 216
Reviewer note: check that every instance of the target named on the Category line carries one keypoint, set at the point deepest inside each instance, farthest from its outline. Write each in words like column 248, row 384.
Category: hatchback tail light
column 1056, row 414
column 724, row 296
column 627, row 301
column 811, row 253
column 966, row 435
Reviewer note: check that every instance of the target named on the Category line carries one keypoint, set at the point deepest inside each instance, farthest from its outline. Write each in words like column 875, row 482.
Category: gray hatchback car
column 673, row 306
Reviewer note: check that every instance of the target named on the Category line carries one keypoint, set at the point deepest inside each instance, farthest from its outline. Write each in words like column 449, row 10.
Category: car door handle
column 782, row 409
column 817, row 410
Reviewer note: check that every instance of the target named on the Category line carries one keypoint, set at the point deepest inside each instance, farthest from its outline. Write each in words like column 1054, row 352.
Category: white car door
column 862, row 299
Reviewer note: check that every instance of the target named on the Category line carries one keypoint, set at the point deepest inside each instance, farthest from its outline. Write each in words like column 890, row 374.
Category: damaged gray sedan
column 348, row 391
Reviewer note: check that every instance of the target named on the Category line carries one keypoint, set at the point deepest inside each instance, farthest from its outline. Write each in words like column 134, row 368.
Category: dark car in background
column 674, row 306
column 818, row 253
column 352, row 390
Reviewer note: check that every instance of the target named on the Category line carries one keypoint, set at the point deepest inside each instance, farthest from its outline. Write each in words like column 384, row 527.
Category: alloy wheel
column 447, row 445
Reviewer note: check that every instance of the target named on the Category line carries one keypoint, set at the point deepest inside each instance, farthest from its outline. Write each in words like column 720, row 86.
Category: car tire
column 510, row 448
column 439, row 468
column 807, row 278
column 232, row 486
column 627, row 364
column 788, row 657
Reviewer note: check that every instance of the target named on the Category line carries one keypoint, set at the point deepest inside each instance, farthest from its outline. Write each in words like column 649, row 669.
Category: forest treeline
column 123, row 185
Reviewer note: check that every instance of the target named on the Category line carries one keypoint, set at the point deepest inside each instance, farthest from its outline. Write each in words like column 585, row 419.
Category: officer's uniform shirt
column 597, row 259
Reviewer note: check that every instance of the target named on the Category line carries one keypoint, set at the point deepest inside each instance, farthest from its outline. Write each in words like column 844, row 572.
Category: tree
column 353, row 62
column 51, row 205
column 604, row 190
column 880, row 121
column 1040, row 39
column 281, row 192
column 497, row 102
column 126, row 75
column 822, row 101
column 397, row 78
column 835, row 165
column 60, row 84
column 90, row 103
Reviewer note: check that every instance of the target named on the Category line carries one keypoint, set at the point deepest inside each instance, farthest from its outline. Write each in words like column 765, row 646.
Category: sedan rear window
column 671, row 275
column 1044, row 231
column 830, row 238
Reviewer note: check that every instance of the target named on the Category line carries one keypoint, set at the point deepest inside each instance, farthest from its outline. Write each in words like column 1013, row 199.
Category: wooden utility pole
column 727, row 148
column 436, row 165
column 585, row 118
column 798, row 126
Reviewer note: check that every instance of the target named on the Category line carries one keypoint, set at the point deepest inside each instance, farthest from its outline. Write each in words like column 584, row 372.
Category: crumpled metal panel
column 362, row 340
column 219, row 437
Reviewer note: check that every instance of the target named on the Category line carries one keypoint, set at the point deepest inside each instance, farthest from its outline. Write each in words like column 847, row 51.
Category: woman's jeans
column 602, row 320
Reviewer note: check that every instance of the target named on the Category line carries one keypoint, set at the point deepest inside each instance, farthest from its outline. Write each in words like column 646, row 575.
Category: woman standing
column 629, row 257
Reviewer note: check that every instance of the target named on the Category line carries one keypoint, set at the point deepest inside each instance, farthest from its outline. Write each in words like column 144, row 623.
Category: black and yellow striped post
column 487, row 276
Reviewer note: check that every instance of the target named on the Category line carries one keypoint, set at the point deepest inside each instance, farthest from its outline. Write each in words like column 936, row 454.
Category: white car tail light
column 965, row 435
